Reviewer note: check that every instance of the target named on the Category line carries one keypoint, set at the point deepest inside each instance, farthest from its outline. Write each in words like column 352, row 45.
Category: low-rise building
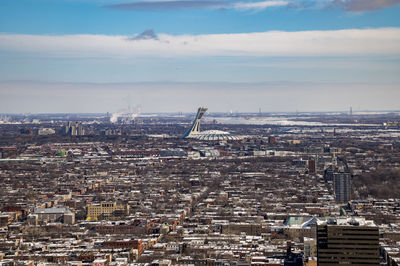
column 95, row 211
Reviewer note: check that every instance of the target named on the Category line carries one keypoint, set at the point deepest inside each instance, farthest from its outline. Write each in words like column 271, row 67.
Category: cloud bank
column 364, row 5
column 196, row 4
column 350, row 42
column 165, row 5
column 259, row 5
column 169, row 5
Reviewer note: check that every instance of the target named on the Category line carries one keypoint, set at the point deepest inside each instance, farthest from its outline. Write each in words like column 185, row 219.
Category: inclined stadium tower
column 195, row 133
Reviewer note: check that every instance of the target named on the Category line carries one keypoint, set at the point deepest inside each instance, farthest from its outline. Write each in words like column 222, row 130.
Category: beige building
column 51, row 215
column 95, row 211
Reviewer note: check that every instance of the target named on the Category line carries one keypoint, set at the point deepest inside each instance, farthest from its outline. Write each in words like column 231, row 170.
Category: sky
column 90, row 56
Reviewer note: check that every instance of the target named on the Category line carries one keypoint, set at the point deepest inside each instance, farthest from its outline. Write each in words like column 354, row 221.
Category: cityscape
column 191, row 189
column 200, row 132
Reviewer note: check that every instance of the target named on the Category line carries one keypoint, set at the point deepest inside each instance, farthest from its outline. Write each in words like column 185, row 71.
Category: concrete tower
column 195, row 128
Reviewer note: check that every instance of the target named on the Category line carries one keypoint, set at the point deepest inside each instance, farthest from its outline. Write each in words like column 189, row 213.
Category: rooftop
column 347, row 221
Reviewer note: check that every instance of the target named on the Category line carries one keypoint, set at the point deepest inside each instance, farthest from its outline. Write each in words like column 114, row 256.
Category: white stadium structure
column 194, row 130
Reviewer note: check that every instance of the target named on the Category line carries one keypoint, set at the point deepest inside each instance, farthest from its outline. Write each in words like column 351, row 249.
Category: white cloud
column 356, row 6
column 350, row 42
column 259, row 5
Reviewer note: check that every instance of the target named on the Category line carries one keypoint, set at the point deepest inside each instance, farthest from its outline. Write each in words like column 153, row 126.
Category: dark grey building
column 347, row 241
column 342, row 186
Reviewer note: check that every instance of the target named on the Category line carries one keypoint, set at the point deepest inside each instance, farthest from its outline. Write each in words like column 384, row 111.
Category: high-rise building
column 342, row 186
column 73, row 129
column 347, row 241
column 311, row 166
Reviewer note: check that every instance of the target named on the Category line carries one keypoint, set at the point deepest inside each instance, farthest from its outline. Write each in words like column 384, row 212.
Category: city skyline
column 281, row 56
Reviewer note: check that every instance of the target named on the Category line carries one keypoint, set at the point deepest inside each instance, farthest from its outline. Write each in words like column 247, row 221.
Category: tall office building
column 312, row 166
column 342, row 186
column 73, row 129
column 347, row 241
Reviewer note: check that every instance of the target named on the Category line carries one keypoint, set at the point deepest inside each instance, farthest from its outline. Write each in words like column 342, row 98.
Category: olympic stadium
column 195, row 133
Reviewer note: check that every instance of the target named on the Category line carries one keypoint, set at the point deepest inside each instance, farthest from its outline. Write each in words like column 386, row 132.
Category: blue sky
column 173, row 55
column 96, row 17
